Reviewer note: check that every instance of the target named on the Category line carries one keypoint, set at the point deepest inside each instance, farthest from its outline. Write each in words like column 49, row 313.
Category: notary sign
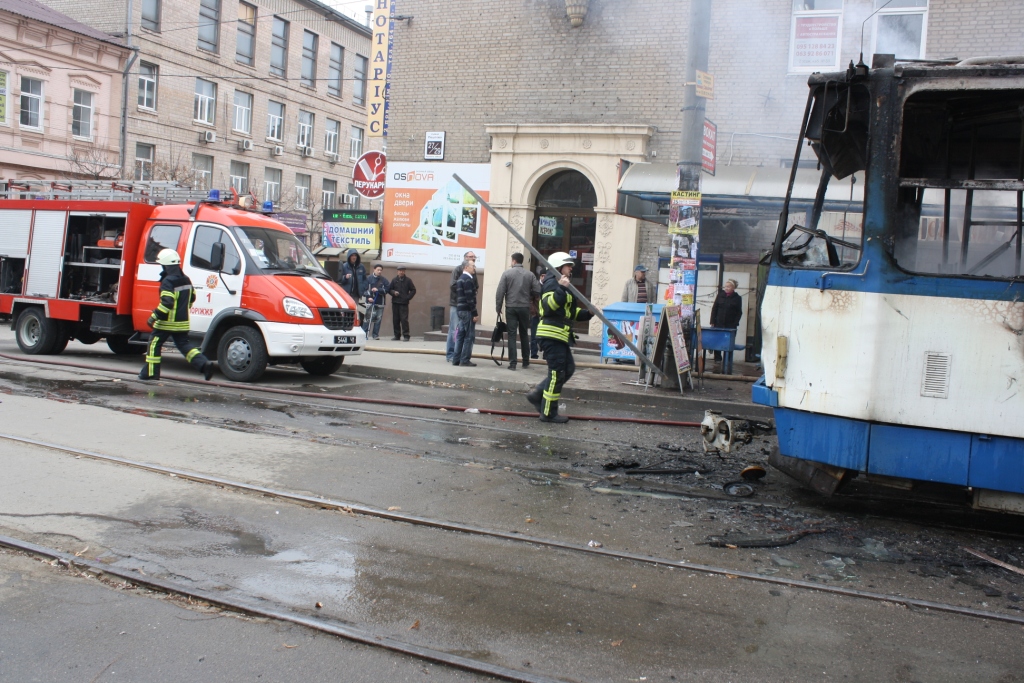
column 708, row 147
column 351, row 230
column 378, row 77
column 705, row 85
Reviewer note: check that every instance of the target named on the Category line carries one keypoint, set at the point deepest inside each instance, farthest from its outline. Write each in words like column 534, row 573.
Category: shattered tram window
column 960, row 160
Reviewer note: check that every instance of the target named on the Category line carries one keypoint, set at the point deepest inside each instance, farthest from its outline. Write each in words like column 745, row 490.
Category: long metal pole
column 575, row 292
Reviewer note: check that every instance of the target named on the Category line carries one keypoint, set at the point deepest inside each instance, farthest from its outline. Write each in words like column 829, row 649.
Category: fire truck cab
column 82, row 265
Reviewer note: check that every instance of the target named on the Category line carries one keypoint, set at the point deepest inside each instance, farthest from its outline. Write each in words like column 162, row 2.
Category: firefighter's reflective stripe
column 551, row 395
column 556, row 321
column 172, row 313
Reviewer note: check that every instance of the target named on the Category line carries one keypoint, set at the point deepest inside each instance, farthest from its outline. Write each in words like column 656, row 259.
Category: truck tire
column 242, row 354
column 35, row 333
column 119, row 344
column 322, row 367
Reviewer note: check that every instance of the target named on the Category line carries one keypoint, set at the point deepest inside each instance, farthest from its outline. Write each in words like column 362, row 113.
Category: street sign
column 369, row 174
column 433, row 148
column 708, row 147
column 705, row 85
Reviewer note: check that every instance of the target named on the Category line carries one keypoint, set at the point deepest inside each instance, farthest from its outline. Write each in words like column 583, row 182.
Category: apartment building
column 60, row 95
column 265, row 96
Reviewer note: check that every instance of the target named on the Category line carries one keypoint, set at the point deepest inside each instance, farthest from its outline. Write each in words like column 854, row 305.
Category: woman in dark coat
column 728, row 307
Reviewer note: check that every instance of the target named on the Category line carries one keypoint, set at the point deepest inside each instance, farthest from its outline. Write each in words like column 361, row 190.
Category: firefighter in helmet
column 170, row 318
column 558, row 311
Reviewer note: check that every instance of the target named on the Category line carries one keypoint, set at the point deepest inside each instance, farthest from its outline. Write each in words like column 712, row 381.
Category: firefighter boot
column 535, row 396
column 208, row 370
column 554, row 417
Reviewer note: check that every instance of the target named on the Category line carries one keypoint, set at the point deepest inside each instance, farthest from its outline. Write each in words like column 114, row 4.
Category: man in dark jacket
column 468, row 315
column 516, row 289
column 453, row 317
column 402, row 290
column 558, row 311
column 352, row 276
column 170, row 318
column 376, row 294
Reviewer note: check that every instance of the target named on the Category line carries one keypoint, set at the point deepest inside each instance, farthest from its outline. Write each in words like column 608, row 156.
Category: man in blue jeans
column 465, row 333
column 453, row 317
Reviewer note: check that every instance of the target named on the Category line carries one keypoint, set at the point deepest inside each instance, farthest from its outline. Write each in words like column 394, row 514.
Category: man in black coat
column 466, row 304
column 402, row 291
column 453, row 318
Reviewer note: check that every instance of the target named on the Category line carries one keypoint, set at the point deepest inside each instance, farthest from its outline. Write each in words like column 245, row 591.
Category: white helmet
column 168, row 257
column 559, row 259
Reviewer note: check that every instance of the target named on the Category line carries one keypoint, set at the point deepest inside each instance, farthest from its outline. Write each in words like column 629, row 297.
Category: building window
column 239, row 176
column 245, row 43
column 331, row 136
column 272, row 185
column 143, row 161
column 334, row 76
column 151, row 14
column 202, row 172
column 31, row 103
column 355, row 197
column 275, row 121
column 359, row 80
column 900, row 28
column 815, row 35
column 81, row 115
column 205, row 109
column 355, row 143
column 5, row 99
column 330, row 192
column 243, row 113
column 147, row 85
column 279, row 48
column 209, row 25
column 309, row 46
column 305, row 138
column 302, row 182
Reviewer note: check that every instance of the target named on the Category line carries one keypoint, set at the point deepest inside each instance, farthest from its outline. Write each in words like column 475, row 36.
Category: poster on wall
column 684, row 226
column 815, row 42
column 429, row 218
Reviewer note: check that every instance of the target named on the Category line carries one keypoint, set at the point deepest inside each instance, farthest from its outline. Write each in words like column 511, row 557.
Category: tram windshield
column 959, row 207
column 827, row 230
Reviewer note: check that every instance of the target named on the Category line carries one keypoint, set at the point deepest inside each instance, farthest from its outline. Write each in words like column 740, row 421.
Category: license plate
column 344, row 340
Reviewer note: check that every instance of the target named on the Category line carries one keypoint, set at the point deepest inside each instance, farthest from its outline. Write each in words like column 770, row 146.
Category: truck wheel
column 35, row 333
column 86, row 337
column 119, row 345
column 322, row 367
column 242, row 354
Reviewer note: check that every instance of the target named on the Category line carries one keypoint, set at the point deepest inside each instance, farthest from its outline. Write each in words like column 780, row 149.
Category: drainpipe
column 124, row 87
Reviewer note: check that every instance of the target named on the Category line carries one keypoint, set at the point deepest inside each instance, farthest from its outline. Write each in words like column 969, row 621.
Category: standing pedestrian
column 352, row 276
column 535, row 319
column 727, row 309
column 376, row 293
column 170, row 318
column 516, row 289
column 465, row 334
column 453, row 319
column 635, row 291
column 558, row 311
column 402, row 290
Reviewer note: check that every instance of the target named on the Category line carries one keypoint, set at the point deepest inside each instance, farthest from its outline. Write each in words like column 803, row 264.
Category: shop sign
column 296, row 222
column 369, row 173
column 351, row 230
column 708, row 147
column 815, row 42
column 3, row 96
column 378, row 78
column 547, row 226
column 705, row 85
column 429, row 218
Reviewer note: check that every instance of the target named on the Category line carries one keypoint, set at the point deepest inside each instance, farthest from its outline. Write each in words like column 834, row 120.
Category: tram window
column 957, row 208
column 829, row 233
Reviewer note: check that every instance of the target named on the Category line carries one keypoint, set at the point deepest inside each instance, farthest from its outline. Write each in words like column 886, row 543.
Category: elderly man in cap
column 635, row 291
column 402, row 290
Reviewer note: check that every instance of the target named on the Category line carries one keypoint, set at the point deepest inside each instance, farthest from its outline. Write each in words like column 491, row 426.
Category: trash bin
column 720, row 339
column 626, row 317
column 436, row 317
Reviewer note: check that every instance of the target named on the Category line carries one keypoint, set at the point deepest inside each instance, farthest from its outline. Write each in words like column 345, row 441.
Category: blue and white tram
column 893, row 326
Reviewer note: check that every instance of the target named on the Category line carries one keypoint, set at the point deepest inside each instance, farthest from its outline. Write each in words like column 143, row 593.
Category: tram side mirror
column 217, row 256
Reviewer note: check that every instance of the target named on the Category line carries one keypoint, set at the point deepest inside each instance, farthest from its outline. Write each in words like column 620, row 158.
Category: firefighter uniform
column 170, row 319
column 558, row 311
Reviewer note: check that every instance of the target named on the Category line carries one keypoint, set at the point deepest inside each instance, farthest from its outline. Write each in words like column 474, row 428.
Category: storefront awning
column 329, row 251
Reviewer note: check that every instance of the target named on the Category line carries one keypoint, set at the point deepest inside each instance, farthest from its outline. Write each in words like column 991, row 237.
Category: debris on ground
column 738, row 489
column 621, row 465
column 766, row 541
column 992, row 560
column 753, row 473
column 783, row 562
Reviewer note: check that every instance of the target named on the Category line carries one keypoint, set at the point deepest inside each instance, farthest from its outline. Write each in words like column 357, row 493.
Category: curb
column 655, row 398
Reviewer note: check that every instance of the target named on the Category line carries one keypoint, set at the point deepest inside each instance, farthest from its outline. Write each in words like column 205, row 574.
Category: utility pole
column 697, row 47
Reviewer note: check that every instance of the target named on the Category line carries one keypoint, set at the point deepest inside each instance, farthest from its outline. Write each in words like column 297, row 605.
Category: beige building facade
column 267, row 96
column 60, row 95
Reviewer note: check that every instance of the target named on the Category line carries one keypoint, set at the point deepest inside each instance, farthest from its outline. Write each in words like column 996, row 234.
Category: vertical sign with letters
column 378, row 77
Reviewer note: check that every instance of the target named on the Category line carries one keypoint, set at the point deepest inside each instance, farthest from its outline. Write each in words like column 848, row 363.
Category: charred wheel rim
column 239, row 354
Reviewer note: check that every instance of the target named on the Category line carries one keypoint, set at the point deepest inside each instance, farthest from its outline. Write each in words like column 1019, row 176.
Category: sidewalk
column 423, row 361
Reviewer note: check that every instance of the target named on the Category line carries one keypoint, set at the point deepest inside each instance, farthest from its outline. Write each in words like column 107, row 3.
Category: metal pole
column 697, row 46
column 575, row 292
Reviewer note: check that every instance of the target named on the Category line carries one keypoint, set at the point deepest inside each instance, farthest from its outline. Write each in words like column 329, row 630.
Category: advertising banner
column 815, row 42
column 3, row 96
column 378, row 77
column 708, row 147
column 429, row 219
column 351, row 230
column 684, row 226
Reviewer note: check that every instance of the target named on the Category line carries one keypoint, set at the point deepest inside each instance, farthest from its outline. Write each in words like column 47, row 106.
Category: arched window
column 567, row 190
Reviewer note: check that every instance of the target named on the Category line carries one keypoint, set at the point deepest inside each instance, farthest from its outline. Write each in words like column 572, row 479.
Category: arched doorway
column 566, row 221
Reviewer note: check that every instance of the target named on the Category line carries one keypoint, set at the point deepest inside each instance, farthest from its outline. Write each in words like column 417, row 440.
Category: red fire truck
column 79, row 262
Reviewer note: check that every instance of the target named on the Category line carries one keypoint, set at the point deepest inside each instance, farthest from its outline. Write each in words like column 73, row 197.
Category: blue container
column 627, row 318
column 720, row 339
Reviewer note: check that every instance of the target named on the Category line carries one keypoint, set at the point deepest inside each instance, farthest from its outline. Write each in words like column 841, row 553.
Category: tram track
column 359, row 509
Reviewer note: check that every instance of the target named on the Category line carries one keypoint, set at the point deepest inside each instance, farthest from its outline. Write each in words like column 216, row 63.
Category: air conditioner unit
column 245, row 145
column 209, row 136
column 307, row 151
column 349, row 199
column 278, row 150
column 331, row 157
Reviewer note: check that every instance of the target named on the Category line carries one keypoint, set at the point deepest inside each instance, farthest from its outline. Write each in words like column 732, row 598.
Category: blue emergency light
column 214, row 196
column 268, row 207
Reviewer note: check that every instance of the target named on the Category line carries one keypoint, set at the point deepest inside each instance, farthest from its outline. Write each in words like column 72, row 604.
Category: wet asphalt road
column 567, row 615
